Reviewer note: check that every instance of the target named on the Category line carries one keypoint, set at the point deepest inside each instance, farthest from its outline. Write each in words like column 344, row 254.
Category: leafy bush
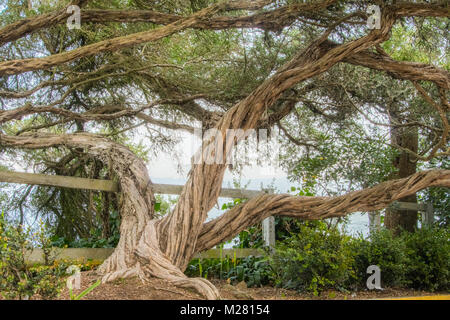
column 19, row 280
column 255, row 271
column 428, row 258
column 96, row 239
column 318, row 257
column 314, row 259
column 387, row 252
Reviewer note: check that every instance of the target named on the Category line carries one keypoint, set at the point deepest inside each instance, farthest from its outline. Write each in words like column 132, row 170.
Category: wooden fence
column 112, row 186
column 85, row 254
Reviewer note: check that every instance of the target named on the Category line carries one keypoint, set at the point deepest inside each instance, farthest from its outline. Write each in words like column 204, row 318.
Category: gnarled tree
column 162, row 247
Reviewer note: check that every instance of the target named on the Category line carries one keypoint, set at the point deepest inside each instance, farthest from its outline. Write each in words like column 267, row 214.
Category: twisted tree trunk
column 398, row 220
column 138, row 252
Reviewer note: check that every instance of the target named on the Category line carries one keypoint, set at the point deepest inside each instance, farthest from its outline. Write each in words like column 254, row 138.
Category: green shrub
column 255, row 271
column 428, row 258
column 95, row 240
column 314, row 259
column 19, row 280
column 317, row 257
column 385, row 251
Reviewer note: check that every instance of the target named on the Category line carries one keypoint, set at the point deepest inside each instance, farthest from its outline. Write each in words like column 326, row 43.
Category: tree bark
column 406, row 164
column 257, row 209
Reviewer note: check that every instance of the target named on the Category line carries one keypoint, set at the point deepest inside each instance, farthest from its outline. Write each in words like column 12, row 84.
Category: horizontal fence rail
column 107, row 185
column 409, row 206
column 85, row 254
column 58, row 181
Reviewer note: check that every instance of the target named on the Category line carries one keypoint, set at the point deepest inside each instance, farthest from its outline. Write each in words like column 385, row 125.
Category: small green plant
column 200, row 267
column 314, row 259
column 95, row 240
column 18, row 280
column 255, row 271
column 85, row 292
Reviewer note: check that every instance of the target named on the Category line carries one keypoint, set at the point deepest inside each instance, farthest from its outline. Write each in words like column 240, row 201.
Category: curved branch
column 180, row 229
column 401, row 69
column 97, row 114
column 294, row 140
column 405, row 9
column 19, row 66
column 271, row 20
column 26, row 26
column 257, row 209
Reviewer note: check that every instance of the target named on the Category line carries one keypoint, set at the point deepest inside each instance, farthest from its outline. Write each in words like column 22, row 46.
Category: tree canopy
column 74, row 99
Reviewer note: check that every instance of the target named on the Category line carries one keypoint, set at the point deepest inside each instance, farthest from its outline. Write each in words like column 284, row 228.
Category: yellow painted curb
column 440, row 297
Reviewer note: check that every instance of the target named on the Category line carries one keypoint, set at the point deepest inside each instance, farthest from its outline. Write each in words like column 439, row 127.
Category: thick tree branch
column 405, row 9
column 257, row 209
column 26, row 26
column 24, row 65
column 180, row 229
column 271, row 20
column 401, row 69
column 102, row 113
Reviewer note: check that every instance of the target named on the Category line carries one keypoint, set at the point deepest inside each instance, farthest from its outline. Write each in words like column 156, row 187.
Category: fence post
column 374, row 221
column 428, row 215
column 268, row 228
column 269, row 231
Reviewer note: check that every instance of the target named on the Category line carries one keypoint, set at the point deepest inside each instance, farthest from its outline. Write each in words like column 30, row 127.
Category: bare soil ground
column 134, row 289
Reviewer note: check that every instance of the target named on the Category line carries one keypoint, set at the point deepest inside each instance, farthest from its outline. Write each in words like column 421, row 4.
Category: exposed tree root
column 152, row 262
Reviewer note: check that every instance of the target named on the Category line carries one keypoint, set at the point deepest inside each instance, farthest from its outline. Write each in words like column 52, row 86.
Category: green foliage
column 419, row 260
column 438, row 197
column 341, row 156
column 96, row 240
column 19, row 280
column 255, row 271
column 314, row 259
column 251, row 237
column 317, row 257
column 387, row 252
column 85, row 292
column 284, row 227
column 428, row 258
